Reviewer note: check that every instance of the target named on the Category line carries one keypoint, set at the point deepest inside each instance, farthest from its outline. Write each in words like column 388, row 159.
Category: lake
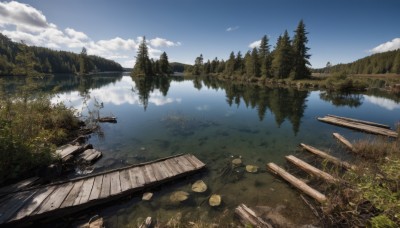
column 217, row 122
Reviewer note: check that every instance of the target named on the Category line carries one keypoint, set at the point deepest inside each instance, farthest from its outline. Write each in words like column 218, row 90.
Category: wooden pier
column 59, row 199
column 360, row 125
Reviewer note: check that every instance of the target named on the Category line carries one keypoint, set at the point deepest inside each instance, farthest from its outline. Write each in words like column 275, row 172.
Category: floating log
column 297, row 183
column 70, row 196
column 249, row 217
column 359, row 126
column 344, row 141
column 311, row 169
column 109, row 119
column 89, row 156
column 361, row 121
column 328, row 157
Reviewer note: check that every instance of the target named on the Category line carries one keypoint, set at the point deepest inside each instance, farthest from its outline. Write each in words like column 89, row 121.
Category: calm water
column 216, row 122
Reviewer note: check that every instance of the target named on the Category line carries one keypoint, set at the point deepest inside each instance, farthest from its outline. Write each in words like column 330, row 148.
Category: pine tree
column 26, row 63
column 255, row 63
column 265, row 57
column 143, row 65
column 198, row 65
column 282, row 62
column 165, row 68
column 300, row 55
column 396, row 64
column 239, row 63
column 230, row 64
column 83, row 62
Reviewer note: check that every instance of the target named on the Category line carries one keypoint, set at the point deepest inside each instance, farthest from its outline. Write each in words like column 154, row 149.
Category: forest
column 21, row 59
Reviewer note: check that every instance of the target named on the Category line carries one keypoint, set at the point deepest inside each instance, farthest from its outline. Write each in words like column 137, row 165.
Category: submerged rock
column 215, row 200
column 199, row 186
column 251, row 168
column 237, row 162
column 147, row 196
column 179, row 196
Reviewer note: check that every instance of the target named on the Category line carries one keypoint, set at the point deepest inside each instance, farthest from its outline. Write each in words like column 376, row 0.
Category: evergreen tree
column 198, row 65
column 143, row 65
column 214, row 65
column 265, row 57
column 255, row 63
column 396, row 64
column 282, row 59
column 207, row 67
column 165, row 68
column 26, row 63
column 300, row 55
column 239, row 66
column 83, row 62
column 230, row 64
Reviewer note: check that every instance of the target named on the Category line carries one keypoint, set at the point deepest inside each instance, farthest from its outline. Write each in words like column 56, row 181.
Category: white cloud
column 231, row 29
column 161, row 42
column 388, row 46
column 255, row 44
column 383, row 102
column 20, row 21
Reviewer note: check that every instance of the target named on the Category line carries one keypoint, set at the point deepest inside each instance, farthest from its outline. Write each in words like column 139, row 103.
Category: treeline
column 381, row 63
column 21, row 59
column 146, row 67
column 289, row 59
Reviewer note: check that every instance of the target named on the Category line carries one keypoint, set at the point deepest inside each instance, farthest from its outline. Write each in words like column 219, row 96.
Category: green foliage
column 143, row 65
column 282, row 63
column 164, row 67
column 30, row 129
column 382, row 221
column 300, row 55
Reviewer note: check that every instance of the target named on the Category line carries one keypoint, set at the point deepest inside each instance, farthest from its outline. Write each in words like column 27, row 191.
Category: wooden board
column 67, row 150
column 84, row 194
column 195, row 162
column 361, row 121
column 96, row 189
column 125, row 180
column 297, row 183
column 344, row 141
column 249, row 218
column 115, row 183
column 359, row 126
column 13, row 204
column 106, row 186
column 171, row 167
column 33, row 203
column 311, row 169
column 55, row 199
column 185, row 164
column 70, row 199
column 160, row 175
column 149, row 174
column 18, row 186
column 176, row 165
column 137, row 177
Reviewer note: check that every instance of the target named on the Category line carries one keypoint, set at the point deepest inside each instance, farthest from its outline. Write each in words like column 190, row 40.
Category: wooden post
column 328, row 157
column 297, row 183
column 344, row 141
column 311, row 169
column 249, row 217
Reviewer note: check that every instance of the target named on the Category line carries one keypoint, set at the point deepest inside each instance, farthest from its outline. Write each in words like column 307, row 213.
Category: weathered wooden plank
column 176, row 165
column 344, row 141
column 137, row 177
column 172, row 168
column 106, row 186
column 311, row 169
column 18, row 186
column 164, row 169
column 195, row 162
column 33, row 203
column 297, row 183
column 249, row 217
column 55, row 199
column 125, row 180
column 90, row 155
column 184, row 162
column 149, row 173
column 359, row 126
column 158, row 172
column 96, row 189
column 115, row 183
column 361, row 121
column 13, row 204
column 328, row 157
column 70, row 199
column 68, row 150
column 85, row 191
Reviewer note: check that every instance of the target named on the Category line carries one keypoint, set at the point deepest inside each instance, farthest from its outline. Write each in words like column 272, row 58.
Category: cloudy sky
column 340, row 31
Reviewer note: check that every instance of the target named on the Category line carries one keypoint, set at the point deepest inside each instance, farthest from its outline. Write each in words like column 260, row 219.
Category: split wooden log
column 311, row 169
column 249, row 217
column 297, row 183
column 89, row 156
column 330, row 158
column 361, row 121
column 344, row 141
column 146, row 223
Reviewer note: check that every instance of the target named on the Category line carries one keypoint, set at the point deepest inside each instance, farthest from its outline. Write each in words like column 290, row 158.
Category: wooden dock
column 360, row 125
column 59, row 199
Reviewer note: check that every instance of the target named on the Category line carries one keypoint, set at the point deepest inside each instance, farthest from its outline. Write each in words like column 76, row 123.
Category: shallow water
column 216, row 122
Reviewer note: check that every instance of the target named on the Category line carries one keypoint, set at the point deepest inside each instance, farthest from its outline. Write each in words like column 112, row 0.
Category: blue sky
column 339, row 30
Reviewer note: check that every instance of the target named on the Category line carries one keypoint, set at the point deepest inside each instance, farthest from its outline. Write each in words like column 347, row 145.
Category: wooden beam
column 249, row 217
column 344, row 141
column 297, row 183
column 361, row 121
column 311, row 169
column 328, row 157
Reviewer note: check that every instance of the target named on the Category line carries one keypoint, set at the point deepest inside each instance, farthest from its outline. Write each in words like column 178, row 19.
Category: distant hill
column 381, row 63
column 48, row 61
column 178, row 67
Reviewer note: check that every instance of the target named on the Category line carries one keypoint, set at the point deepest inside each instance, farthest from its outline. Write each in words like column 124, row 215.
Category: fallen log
column 109, row 119
column 344, row 141
column 330, row 158
column 361, row 121
column 297, row 183
column 249, row 217
column 311, row 169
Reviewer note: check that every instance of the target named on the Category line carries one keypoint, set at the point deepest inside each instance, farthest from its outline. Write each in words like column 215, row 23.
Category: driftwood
column 297, row 183
column 146, row 223
column 109, row 119
column 311, row 169
column 89, row 156
column 344, row 141
column 330, row 158
column 359, row 126
column 249, row 217
column 361, row 121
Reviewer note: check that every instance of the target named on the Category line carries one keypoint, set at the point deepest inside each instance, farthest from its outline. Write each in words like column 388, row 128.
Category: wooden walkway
column 360, row 125
column 70, row 196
